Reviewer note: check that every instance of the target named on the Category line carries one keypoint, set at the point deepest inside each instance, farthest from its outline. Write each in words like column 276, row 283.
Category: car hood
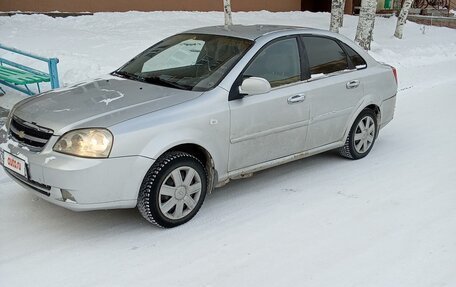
column 102, row 102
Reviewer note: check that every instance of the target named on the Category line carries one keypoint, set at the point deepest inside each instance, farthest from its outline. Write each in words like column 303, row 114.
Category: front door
column 271, row 125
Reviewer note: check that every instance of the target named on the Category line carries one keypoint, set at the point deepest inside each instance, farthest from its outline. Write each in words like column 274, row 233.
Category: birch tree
column 402, row 18
column 337, row 15
column 227, row 11
column 366, row 21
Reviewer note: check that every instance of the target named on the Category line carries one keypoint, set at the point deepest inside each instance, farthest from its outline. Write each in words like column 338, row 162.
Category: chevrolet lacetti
column 193, row 112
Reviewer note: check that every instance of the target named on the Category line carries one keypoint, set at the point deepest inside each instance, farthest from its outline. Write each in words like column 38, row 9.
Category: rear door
column 271, row 125
column 334, row 89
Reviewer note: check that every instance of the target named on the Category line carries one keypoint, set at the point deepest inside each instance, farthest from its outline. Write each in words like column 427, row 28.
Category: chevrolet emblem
column 21, row 134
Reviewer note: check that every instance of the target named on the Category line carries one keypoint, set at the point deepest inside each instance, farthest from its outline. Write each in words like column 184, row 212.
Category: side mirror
column 254, row 86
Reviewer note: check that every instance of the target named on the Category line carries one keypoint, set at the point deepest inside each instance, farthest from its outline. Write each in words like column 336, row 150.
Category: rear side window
column 279, row 63
column 355, row 58
column 325, row 55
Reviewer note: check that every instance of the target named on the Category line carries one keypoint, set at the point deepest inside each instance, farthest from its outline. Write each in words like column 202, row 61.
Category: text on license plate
column 14, row 163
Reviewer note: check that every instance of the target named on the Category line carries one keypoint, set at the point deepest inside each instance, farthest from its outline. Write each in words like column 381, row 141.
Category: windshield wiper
column 127, row 75
column 121, row 74
column 151, row 80
column 159, row 81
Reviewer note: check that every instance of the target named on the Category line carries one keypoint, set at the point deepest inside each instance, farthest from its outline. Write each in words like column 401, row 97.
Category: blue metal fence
column 52, row 67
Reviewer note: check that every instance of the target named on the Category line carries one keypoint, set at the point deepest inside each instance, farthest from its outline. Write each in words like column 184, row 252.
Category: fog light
column 67, row 196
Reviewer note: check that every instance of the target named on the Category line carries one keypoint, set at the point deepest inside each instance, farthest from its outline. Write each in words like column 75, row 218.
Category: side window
column 355, row 58
column 325, row 55
column 279, row 63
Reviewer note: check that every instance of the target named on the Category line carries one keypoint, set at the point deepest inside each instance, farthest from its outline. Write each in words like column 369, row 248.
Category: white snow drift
column 386, row 220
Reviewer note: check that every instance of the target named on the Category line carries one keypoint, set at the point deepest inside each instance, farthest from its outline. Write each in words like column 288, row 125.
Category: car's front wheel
column 173, row 190
column 361, row 137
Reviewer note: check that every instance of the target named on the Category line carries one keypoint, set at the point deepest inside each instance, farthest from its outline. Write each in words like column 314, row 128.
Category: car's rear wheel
column 361, row 137
column 173, row 190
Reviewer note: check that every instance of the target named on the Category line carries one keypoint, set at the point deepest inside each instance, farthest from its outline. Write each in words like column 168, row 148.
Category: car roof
column 250, row 32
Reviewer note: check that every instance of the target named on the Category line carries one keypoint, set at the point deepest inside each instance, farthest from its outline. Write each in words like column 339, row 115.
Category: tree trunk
column 402, row 18
column 227, row 9
column 364, row 32
column 337, row 15
column 342, row 17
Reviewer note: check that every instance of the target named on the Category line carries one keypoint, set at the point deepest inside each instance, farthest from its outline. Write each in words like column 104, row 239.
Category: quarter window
column 325, row 55
column 355, row 58
column 279, row 63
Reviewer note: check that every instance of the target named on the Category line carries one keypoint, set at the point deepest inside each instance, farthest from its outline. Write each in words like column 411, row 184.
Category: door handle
column 352, row 84
column 296, row 99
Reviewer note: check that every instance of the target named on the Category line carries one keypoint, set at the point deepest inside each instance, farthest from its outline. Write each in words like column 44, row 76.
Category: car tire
column 173, row 190
column 361, row 137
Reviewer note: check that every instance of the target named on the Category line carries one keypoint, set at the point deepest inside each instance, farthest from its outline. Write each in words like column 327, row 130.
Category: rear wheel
column 362, row 136
column 173, row 190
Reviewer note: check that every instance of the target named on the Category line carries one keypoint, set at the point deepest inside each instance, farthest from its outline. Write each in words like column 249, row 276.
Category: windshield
column 194, row 62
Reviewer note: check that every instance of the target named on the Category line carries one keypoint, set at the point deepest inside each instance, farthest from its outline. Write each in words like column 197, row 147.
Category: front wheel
column 173, row 190
column 361, row 137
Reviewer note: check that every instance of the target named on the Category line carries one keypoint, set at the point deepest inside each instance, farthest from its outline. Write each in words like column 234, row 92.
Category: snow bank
column 386, row 220
column 89, row 46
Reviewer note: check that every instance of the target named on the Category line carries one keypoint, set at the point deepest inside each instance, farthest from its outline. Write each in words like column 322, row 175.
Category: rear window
column 355, row 58
column 325, row 55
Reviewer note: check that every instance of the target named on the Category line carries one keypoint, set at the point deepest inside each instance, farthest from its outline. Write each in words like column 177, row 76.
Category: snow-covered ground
column 386, row 220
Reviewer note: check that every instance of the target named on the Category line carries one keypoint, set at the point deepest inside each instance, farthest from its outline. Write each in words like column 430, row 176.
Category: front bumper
column 80, row 183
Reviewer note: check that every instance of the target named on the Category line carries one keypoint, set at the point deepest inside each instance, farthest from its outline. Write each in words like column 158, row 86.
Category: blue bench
column 20, row 77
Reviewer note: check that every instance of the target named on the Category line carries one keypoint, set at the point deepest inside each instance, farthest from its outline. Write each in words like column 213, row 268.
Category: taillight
column 394, row 73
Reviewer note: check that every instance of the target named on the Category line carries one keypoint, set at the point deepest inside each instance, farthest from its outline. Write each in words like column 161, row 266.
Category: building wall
column 183, row 5
column 449, row 22
column 316, row 6
column 145, row 5
column 324, row 6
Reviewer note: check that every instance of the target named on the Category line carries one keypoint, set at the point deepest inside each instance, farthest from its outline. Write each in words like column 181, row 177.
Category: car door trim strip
column 270, row 131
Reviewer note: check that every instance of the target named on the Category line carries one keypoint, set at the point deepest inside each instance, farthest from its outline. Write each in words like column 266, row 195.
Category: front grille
column 30, row 134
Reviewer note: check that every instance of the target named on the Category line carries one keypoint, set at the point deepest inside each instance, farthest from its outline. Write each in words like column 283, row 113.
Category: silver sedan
column 193, row 112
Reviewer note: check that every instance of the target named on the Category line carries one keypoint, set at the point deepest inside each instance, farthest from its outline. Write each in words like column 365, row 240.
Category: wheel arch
column 203, row 155
column 377, row 112
column 375, row 107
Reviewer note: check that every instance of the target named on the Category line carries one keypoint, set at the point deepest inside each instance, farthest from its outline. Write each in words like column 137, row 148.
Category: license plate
column 15, row 164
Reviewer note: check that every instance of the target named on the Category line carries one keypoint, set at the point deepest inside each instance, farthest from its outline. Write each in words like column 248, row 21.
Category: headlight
column 85, row 143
